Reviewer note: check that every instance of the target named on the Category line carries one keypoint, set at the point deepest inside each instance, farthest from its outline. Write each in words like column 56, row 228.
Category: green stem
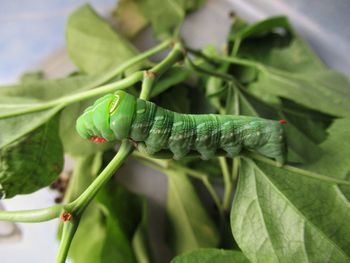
column 205, row 71
column 227, row 183
column 213, row 195
column 299, row 171
column 163, row 165
column 68, row 231
column 149, row 76
column 32, row 216
column 131, row 62
column 78, row 206
column 147, row 84
column 99, row 81
column 67, row 100
column 235, row 170
column 239, row 61
column 170, row 60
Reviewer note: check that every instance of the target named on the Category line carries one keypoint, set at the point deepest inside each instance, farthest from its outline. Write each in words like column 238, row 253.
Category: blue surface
column 30, row 30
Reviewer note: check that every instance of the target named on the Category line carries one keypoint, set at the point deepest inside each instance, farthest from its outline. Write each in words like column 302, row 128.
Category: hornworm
column 120, row 115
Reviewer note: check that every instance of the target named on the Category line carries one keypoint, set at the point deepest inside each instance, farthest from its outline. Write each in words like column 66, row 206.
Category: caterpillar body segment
column 120, row 115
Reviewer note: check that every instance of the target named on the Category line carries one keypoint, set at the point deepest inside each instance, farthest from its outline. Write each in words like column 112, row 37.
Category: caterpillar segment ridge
column 153, row 129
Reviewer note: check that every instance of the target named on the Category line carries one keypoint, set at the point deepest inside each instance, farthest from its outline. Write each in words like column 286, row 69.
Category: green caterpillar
column 120, row 115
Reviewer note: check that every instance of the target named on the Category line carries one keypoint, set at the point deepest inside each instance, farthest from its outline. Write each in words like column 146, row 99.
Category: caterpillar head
column 108, row 119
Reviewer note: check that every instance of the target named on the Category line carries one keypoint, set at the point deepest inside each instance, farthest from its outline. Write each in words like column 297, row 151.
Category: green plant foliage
column 280, row 216
column 190, row 226
column 245, row 209
column 31, row 162
column 208, row 255
column 92, row 43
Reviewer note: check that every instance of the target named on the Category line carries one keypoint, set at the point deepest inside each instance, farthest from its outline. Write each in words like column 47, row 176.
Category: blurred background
column 32, row 38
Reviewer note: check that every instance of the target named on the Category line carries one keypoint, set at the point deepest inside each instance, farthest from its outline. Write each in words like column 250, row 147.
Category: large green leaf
column 32, row 94
column 274, row 43
column 31, row 162
column 92, row 44
column 210, row 255
column 325, row 90
column 300, row 147
column 44, row 90
column 14, row 128
column 140, row 240
column 129, row 19
column 190, row 227
column 108, row 225
column 287, row 67
column 279, row 216
column 164, row 15
column 336, row 148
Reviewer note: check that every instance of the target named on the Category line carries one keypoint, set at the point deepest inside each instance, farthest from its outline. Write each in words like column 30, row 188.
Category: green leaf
column 111, row 220
column 89, row 238
column 44, row 90
column 336, row 148
column 31, row 94
column 164, row 15
column 279, row 216
column 92, row 44
column 129, row 19
column 209, row 255
column 32, row 162
column 140, row 240
column 86, row 168
column 274, row 43
column 190, row 226
column 127, row 212
column 325, row 91
column 288, row 68
column 14, row 128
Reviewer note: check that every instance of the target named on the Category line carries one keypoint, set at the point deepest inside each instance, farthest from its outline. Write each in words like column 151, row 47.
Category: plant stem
column 213, row 195
column 78, row 206
column 131, row 62
column 235, row 169
column 147, row 84
column 68, row 231
column 227, row 183
column 170, row 60
column 163, row 165
column 149, row 76
column 205, row 71
column 299, row 171
column 67, row 100
column 32, row 216
column 239, row 61
column 205, row 180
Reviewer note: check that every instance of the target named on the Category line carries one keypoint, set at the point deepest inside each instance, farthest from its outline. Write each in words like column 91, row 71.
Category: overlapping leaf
column 279, row 216
column 190, row 226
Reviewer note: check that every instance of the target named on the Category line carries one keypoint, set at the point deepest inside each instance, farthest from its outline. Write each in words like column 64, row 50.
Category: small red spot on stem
column 65, row 216
column 283, row 121
column 96, row 139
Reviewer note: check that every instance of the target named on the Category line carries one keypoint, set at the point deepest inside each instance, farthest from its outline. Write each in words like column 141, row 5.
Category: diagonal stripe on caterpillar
column 120, row 115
